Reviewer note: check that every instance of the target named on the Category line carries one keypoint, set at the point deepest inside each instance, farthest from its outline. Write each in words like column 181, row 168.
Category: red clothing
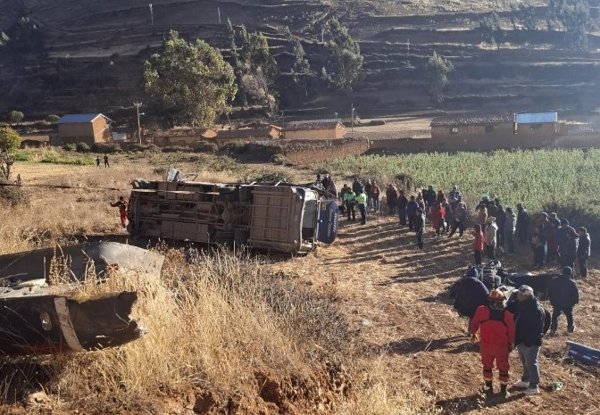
column 497, row 338
column 493, row 332
column 489, row 353
column 438, row 214
column 478, row 242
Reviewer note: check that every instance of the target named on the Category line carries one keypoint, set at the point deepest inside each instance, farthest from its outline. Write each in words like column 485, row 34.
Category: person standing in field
column 570, row 251
column 438, row 218
column 482, row 216
column 478, row 244
column 420, row 227
column 368, row 192
column 532, row 322
column 402, row 202
column 490, row 237
column 454, row 196
column 510, row 226
column 97, row 161
column 563, row 294
column 552, row 241
column 522, row 224
column 497, row 329
column 429, row 197
column 583, row 251
column 361, row 201
column 538, row 241
column 106, row 163
column 345, row 189
column 500, row 219
column 122, row 205
column 411, row 212
column 375, row 193
column 561, row 238
column 459, row 219
column 391, row 195
column 357, row 186
column 349, row 201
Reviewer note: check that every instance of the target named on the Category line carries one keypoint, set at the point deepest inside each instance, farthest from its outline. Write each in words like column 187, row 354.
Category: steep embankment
column 93, row 54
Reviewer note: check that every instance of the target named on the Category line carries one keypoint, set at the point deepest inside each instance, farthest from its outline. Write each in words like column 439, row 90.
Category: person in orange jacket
column 478, row 244
column 122, row 205
column 497, row 328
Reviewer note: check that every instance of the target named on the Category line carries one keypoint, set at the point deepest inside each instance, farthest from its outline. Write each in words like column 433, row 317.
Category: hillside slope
column 93, row 53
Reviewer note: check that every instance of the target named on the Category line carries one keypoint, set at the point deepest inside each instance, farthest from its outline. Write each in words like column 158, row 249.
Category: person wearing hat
column 563, row 294
column 497, row 328
column 491, row 231
column 469, row 293
column 532, row 322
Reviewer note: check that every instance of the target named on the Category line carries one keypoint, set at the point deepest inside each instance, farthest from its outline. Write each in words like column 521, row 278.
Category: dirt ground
column 396, row 299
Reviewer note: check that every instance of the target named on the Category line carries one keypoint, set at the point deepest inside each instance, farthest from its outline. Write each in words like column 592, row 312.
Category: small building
column 493, row 131
column 314, row 130
column 251, row 133
column 83, row 128
column 35, row 141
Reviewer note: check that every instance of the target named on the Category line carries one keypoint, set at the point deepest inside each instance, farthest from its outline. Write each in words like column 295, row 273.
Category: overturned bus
column 275, row 216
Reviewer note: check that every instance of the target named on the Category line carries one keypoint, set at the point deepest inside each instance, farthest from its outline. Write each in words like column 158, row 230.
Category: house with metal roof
column 487, row 131
column 314, row 130
column 83, row 128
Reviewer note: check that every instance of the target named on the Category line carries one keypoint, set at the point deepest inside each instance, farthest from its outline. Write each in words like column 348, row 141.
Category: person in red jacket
column 478, row 243
column 438, row 218
column 497, row 328
column 122, row 205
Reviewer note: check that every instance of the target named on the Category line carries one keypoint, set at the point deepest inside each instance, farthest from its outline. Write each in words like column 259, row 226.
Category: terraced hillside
column 93, row 53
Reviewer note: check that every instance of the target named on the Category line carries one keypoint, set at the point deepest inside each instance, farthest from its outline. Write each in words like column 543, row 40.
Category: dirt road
column 396, row 298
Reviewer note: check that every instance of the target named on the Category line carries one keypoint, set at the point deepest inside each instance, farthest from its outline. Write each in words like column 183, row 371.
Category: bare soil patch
column 396, row 299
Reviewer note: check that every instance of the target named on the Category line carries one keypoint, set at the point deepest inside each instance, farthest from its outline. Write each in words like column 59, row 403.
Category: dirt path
column 396, row 298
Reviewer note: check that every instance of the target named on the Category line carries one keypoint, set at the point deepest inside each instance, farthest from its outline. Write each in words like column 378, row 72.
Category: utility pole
column 352, row 119
column 137, row 106
column 219, row 14
column 151, row 13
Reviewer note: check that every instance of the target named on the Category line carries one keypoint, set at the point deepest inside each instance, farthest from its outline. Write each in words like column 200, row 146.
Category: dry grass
column 246, row 332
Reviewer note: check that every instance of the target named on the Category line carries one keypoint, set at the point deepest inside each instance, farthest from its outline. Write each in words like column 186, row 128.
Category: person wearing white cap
column 532, row 322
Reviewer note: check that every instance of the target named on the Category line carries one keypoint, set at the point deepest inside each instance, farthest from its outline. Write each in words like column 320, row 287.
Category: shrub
column 70, row 147
column 82, row 147
column 9, row 139
column 52, row 118
column 278, row 158
column 106, row 148
column 12, row 195
column 268, row 175
column 206, row 147
column 23, row 155
column 15, row 116
column 175, row 149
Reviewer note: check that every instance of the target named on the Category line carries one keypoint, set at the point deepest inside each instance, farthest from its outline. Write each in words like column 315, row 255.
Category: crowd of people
column 503, row 324
column 552, row 240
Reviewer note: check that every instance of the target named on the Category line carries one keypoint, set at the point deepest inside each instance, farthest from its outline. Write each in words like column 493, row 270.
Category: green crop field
column 565, row 180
